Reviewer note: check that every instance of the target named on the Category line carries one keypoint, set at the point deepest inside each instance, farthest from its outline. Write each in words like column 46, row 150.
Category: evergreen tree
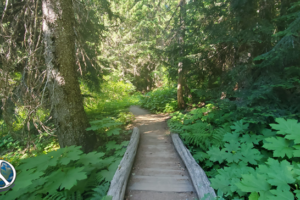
column 66, row 99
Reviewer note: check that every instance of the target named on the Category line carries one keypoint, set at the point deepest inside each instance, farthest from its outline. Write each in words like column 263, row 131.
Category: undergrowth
column 46, row 171
column 243, row 160
column 160, row 100
column 68, row 173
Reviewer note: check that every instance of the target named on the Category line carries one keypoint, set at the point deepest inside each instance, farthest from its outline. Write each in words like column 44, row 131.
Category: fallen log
column 119, row 182
column 198, row 176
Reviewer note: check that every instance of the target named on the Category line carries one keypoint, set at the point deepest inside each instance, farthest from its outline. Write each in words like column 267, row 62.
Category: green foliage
column 133, row 42
column 195, row 128
column 114, row 98
column 100, row 191
column 108, row 126
column 47, row 172
column 64, row 173
column 125, row 117
column 6, row 141
column 160, row 100
column 250, row 169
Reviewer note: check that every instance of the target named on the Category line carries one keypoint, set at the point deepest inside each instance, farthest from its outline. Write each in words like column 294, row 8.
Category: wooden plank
column 162, row 184
column 198, row 176
column 119, row 182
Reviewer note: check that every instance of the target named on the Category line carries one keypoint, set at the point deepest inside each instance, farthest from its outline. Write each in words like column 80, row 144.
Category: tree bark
column 180, row 100
column 180, row 84
column 62, row 82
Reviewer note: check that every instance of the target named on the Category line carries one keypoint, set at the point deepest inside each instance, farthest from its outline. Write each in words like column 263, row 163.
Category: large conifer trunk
column 62, row 82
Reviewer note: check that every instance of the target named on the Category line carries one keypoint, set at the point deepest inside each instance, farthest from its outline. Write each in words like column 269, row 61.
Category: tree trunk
column 180, row 100
column 187, row 91
column 62, row 82
column 180, row 84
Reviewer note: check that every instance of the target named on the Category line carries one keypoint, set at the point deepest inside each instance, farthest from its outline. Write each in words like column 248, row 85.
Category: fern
column 195, row 130
column 100, row 191
column 64, row 195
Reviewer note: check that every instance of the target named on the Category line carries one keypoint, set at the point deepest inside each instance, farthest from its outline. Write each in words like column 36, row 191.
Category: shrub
column 160, row 100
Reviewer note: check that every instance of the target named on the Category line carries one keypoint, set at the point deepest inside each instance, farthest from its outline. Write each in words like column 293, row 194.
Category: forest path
column 158, row 172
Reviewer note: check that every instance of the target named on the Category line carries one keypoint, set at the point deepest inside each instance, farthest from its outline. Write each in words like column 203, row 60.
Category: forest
column 226, row 71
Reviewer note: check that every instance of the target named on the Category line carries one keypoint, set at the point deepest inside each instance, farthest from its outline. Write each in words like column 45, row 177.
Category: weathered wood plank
column 198, row 176
column 119, row 182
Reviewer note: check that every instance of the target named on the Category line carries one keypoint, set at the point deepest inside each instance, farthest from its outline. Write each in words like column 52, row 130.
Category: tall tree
column 67, row 103
column 133, row 45
column 180, row 83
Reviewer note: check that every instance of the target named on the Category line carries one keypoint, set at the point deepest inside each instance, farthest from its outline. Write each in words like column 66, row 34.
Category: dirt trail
column 158, row 172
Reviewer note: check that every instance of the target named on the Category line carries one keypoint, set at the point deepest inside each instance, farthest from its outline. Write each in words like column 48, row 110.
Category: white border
column 14, row 175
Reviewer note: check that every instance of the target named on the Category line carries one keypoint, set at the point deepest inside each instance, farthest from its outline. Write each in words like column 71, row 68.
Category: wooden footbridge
column 156, row 165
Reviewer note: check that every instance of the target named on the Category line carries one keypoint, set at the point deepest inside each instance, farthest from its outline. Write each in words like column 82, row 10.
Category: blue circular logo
column 7, row 174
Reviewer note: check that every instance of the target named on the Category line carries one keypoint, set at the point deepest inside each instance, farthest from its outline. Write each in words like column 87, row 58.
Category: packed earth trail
column 158, row 172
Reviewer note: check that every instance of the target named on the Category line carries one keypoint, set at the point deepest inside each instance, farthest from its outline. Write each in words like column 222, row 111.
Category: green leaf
column 71, row 176
column 289, row 127
column 250, row 155
column 200, row 156
column 232, row 146
column 250, row 138
column 253, row 196
column 285, row 126
column 52, row 184
column 220, row 193
column 92, row 157
column 113, row 131
column 120, row 152
column 231, row 137
column 207, row 196
column 234, row 188
column 209, row 163
column 254, row 183
column 216, row 154
column 40, row 162
column 296, row 152
column 239, row 127
column 233, row 157
column 294, row 136
column 282, row 195
column 70, row 153
column 25, row 178
column 239, row 169
column 113, row 167
column 280, row 174
column 104, row 163
column 297, row 193
column 112, row 145
column 279, row 145
column 108, row 175
column 221, row 183
column 268, row 133
column 63, row 178
column 124, row 143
